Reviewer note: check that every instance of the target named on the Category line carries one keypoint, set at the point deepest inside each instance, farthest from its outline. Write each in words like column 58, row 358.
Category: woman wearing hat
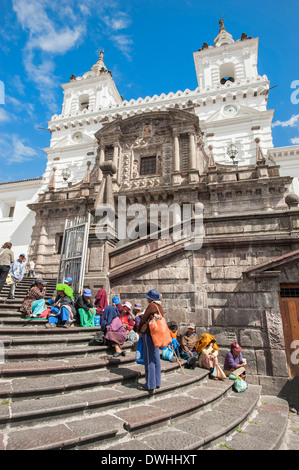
column 37, row 291
column 117, row 303
column 127, row 317
column 62, row 310
column 234, row 363
column 208, row 352
column 151, row 355
column 188, row 347
column 85, row 309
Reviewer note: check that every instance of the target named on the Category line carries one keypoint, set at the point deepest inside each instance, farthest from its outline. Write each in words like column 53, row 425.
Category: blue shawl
column 109, row 314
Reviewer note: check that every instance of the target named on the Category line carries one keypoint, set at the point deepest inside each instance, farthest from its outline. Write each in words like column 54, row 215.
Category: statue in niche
column 135, row 169
column 159, row 165
column 147, row 131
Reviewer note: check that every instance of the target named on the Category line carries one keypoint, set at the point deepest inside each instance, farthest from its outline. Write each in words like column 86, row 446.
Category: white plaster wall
column 18, row 229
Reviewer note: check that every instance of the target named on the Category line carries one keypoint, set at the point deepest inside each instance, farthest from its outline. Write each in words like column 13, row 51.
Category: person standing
column 6, row 259
column 32, row 264
column 17, row 271
column 151, row 354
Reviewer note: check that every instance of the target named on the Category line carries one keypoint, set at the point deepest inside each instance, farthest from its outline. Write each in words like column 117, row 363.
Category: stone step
column 114, row 396
column 265, row 429
column 32, row 354
column 37, row 352
column 66, row 382
column 100, row 411
column 39, row 329
column 44, row 367
column 188, row 431
column 15, row 342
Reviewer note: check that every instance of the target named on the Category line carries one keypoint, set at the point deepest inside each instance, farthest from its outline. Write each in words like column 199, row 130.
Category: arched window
column 227, row 73
column 83, row 102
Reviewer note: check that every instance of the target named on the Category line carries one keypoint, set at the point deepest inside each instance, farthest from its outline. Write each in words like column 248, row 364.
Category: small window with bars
column 148, row 165
column 289, row 292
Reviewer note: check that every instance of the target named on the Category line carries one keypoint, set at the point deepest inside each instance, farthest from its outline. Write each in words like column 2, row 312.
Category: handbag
column 159, row 331
column 98, row 339
column 139, row 352
column 9, row 280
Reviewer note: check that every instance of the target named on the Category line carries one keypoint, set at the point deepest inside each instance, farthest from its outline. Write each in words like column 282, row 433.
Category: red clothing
column 127, row 320
column 100, row 301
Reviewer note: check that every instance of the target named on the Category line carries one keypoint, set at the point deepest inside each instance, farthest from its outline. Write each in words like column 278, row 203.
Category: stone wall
column 210, row 288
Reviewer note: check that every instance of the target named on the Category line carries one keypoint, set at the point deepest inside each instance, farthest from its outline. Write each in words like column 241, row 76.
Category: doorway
column 289, row 308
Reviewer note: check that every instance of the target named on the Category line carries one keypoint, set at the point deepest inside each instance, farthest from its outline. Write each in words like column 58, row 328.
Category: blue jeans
column 152, row 363
column 63, row 316
column 187, row 356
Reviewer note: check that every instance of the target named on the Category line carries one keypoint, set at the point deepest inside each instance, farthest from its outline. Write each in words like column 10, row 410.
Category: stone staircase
column 56, row 392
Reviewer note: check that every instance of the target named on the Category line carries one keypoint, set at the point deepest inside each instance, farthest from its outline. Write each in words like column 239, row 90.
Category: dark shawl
column 109, row 314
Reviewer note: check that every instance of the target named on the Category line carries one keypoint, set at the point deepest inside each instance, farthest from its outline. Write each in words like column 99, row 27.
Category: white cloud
column 119, row 21
column 124, row 43
column 295, row 141
column 20, row 106
column 17, row 84
column 4, row 116
column 15, row 150
column 48, row 36
column 292, row 122
column 54, row 27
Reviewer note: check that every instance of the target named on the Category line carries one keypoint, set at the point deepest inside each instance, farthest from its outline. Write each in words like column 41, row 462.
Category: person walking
column 17, row 272
column 151, row 355
column 6, row 259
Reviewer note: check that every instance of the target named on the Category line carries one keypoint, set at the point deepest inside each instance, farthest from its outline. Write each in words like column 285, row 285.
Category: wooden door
column 289, row 307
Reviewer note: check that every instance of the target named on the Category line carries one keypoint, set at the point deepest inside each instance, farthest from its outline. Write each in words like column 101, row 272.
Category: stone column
column 176, row 176
column 176, row 160
column 100, row 161
column 193, row 170
column 192, row 150
column 115, row 155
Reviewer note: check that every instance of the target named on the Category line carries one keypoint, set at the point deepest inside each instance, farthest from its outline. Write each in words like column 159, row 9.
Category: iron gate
column 74, row 251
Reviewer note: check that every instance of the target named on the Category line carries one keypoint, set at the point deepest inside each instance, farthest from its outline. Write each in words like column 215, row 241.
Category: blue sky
column 149, row 48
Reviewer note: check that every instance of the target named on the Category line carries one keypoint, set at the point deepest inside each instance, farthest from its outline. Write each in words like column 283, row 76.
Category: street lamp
column 232, row 152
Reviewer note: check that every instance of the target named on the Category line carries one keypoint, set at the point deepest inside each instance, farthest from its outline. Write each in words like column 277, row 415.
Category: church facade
column 209, row 150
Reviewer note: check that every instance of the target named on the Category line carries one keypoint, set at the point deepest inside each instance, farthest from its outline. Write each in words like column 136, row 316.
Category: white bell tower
column 85, row 104
column 226, row 60
column 233, row 109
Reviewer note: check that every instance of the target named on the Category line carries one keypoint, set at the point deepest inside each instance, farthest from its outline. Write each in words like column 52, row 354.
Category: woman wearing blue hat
column 85, row 309
column 151, row 355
